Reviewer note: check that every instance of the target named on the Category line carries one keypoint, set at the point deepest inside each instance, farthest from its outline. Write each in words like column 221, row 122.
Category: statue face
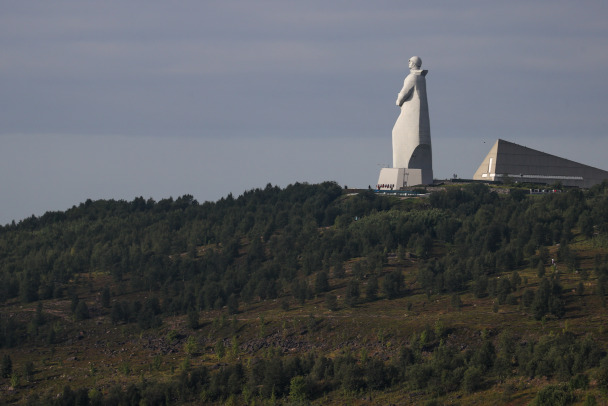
column 415, row 62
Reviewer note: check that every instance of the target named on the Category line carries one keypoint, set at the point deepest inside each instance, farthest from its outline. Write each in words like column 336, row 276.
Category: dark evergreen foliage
column 303, row 240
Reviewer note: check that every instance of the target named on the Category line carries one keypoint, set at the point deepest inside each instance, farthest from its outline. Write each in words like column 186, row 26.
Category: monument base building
column 398, row 178
column 507, row 160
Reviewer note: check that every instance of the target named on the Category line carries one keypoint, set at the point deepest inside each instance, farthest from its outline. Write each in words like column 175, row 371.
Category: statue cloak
column 412, row 132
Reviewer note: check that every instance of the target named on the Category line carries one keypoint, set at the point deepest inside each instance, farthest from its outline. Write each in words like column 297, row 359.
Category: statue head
column 415, row 62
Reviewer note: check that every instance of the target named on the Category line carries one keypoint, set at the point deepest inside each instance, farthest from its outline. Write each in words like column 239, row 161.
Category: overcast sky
column 119, row 99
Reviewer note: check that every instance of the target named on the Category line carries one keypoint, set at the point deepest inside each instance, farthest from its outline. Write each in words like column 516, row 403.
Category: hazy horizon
column 118, row 100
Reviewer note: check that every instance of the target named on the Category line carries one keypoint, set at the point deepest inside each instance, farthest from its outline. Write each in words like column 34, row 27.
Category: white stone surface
column 398, row 178
column 412, row 131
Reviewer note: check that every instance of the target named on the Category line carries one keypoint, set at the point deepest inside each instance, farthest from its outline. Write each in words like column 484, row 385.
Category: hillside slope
column 308, row 294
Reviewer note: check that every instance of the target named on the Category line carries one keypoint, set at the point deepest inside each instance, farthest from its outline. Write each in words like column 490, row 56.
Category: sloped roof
column 518, row 162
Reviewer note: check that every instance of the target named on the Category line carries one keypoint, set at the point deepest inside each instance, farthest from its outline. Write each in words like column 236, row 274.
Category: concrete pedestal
column 398, row 178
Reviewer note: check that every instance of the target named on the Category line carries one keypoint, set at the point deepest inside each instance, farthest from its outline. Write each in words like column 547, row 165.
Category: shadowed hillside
column 309, row 294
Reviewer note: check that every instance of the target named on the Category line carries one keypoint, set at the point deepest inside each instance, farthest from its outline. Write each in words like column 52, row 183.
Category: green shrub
column 554, row 395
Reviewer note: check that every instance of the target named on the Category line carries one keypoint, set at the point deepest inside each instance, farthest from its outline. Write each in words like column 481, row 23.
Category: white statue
column 412, row 131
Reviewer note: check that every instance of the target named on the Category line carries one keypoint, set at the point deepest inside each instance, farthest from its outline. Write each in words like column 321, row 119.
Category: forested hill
column 462, row 292
column 146, row 239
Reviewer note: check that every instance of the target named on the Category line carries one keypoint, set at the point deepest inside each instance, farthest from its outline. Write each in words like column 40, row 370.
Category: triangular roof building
column 523, row 164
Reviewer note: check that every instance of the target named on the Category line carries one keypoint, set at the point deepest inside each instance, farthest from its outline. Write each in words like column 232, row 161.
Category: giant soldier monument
column 412, row 157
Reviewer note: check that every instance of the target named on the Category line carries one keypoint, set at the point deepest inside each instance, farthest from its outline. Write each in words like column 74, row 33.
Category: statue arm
column 406, row 92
